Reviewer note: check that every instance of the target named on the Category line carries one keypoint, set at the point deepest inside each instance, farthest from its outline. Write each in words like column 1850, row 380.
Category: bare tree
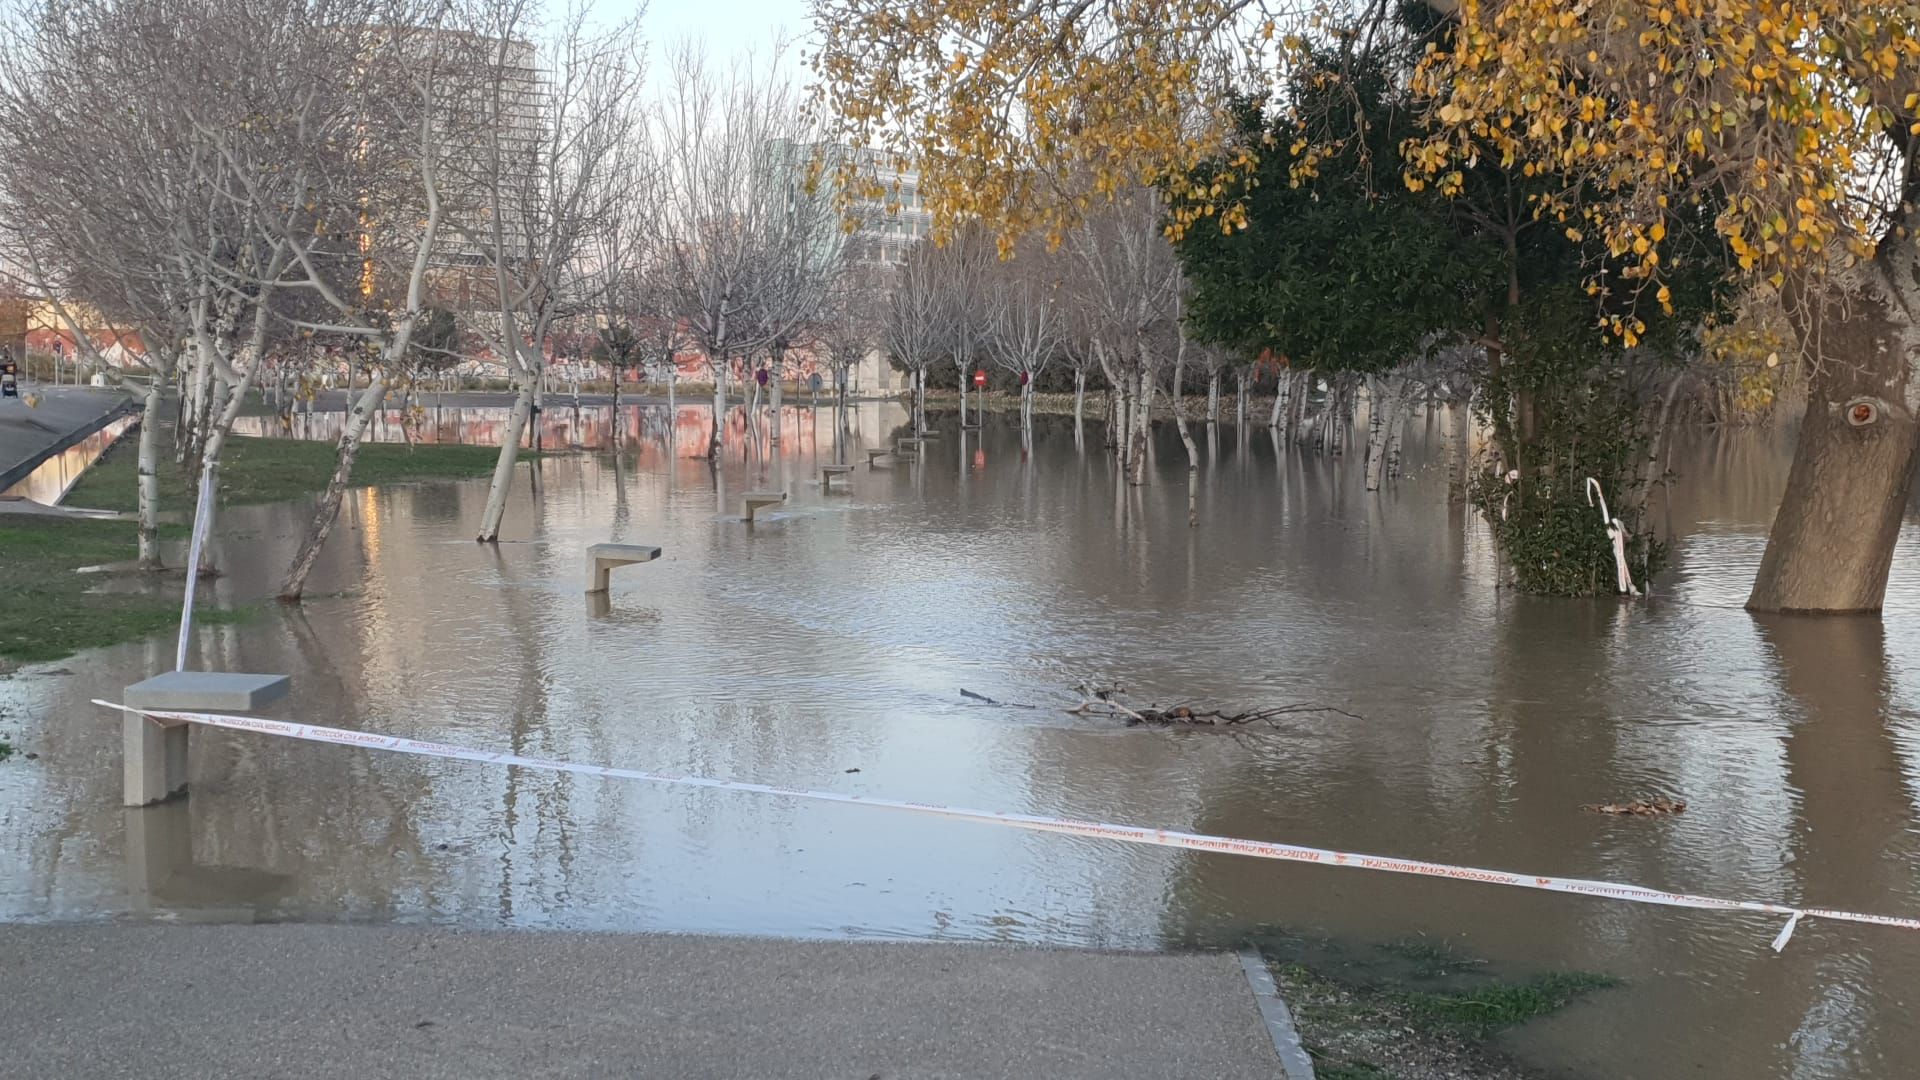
column 1028, row 323
column 550, row 165
column 915, row 323
column 721, row 141
column 1129, row 282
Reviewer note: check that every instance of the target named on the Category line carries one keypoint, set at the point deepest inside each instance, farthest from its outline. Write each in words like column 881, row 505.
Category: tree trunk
column 1832, row 541
column 773, row 401
column 1186, row 437
column 962, row 369
column 1213, row 397
column 149, row 470
column 719, row 407
column 1079, row 396
column 1459, row 449
column 503, row 464
column 1137, row 443
column 1377, row 406
column 328, row 511
column 1282, row 394
column 1241, row 408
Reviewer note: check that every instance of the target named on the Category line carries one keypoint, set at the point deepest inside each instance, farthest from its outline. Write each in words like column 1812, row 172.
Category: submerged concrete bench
column 828, row 472
column 876, row 455
column 602, row 558
column 906, row 443
column 754, row 500
column 154, row 752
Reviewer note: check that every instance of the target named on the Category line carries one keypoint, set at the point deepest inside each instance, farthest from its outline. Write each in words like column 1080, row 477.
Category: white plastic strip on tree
column 202, row 514
column 1133, row 834
column 1617, row 532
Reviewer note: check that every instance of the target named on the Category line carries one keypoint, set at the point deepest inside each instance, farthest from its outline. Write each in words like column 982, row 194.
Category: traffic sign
column 979, row 377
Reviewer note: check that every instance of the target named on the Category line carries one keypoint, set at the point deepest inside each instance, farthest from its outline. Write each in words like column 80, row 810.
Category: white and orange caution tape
column 1133, row 834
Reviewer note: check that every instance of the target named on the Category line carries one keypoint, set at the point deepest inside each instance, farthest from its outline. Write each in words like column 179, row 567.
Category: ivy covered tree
column 1342, row 267
column 1792, row 125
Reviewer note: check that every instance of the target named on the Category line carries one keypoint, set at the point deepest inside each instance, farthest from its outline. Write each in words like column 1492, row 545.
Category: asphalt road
column 155, row 1001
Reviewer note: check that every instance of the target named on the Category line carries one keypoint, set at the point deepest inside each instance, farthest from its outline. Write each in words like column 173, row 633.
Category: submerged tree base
column 1413, row 1009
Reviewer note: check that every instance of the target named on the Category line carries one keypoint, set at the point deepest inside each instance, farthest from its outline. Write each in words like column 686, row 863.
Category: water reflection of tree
column 1853, row 841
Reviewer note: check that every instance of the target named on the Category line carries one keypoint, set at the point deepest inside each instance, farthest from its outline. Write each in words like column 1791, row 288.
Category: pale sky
column 727, row 26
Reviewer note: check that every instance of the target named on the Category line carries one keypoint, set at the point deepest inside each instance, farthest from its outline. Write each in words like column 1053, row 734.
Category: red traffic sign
column 979, row 377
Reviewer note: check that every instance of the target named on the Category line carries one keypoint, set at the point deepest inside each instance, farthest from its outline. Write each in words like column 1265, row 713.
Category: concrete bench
column 905, row 444
column 154, row 752
column 876, row 455
column 754, row 500
column 602, row 558
column 828, row 472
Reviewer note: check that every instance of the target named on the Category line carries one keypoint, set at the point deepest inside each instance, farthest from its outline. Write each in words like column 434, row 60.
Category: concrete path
column 65, row 415
column 361, row 1001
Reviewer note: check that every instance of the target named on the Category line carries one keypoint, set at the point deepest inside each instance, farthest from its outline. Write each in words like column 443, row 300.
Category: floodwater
column 826, row 646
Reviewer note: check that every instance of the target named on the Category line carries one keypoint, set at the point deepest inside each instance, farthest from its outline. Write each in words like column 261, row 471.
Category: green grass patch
column 6, row 749
column 1484, row 1010
column 49, row 612
column 272, row 470
column 1413, row 1008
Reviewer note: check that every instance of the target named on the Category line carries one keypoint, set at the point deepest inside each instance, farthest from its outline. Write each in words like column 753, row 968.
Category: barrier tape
column 1259, row 849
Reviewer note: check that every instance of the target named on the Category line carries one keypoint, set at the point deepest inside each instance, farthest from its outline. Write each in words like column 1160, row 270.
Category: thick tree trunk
column 328, row 511
column 1832, row 541
column 1213, row 397
column 1282, row 389
column 149, row 470
column 503, row 465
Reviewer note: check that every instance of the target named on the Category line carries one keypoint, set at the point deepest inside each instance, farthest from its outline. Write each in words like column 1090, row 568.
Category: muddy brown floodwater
column 835, row 635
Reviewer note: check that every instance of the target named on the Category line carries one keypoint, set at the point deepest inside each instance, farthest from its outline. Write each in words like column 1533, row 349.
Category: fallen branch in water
column 985, row 700
column 1653, row 807
column 1106, row 702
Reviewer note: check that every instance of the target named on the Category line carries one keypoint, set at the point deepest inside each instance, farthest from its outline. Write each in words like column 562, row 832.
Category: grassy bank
column 50, row 611
column 274, row 470
column 1412, row 1010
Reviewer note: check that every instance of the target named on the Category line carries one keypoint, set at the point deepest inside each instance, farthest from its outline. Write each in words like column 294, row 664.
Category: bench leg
column 599, row 576
column 154, row 760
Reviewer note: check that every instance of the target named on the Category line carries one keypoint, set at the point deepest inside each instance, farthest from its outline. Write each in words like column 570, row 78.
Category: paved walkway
column 65, row 415
column 369, row 1001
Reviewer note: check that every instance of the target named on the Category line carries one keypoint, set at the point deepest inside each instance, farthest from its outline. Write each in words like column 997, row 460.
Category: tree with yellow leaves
column 1797, row 120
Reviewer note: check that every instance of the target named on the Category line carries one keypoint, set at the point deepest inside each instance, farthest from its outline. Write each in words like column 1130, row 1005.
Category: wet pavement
column 360, row 1002
column 825, row 647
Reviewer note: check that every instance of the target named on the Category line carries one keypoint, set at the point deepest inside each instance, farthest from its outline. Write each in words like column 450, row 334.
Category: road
column 64, row 416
